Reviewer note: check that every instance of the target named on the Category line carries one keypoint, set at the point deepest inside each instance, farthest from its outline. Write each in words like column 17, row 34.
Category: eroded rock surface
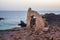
column 35, row 20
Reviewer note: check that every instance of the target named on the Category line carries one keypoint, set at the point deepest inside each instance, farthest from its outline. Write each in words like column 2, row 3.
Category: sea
column 13, row 18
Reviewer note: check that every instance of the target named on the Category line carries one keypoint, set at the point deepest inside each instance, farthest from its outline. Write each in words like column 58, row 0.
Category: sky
column 18, row 5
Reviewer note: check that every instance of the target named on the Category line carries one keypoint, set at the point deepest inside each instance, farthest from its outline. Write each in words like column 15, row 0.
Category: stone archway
column 40, row 23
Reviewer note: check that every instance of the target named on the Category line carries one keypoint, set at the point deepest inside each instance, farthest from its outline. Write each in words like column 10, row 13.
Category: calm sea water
column 13, row 18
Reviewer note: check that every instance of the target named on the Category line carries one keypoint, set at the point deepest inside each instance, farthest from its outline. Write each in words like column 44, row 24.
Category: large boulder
column 22, row 24
column 1, row 18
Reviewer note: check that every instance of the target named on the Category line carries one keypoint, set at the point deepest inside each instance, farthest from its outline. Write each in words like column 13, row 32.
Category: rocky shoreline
column 21, row 33
column 48, row 28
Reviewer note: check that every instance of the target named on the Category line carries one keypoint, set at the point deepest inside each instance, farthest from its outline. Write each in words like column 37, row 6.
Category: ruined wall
column 40, row 23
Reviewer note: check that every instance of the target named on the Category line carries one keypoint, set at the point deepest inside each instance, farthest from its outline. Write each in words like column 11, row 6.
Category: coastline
column 22, row 34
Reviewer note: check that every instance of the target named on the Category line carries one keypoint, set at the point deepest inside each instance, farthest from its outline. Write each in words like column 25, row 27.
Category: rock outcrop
column 22, row 24
column 51, row 18
column 39, row 20
column 1, row 18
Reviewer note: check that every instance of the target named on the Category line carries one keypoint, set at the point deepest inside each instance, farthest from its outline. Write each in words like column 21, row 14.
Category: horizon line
column 26, row 10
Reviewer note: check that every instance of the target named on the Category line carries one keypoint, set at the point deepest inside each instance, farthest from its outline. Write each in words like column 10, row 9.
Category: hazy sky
column 34, row 4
